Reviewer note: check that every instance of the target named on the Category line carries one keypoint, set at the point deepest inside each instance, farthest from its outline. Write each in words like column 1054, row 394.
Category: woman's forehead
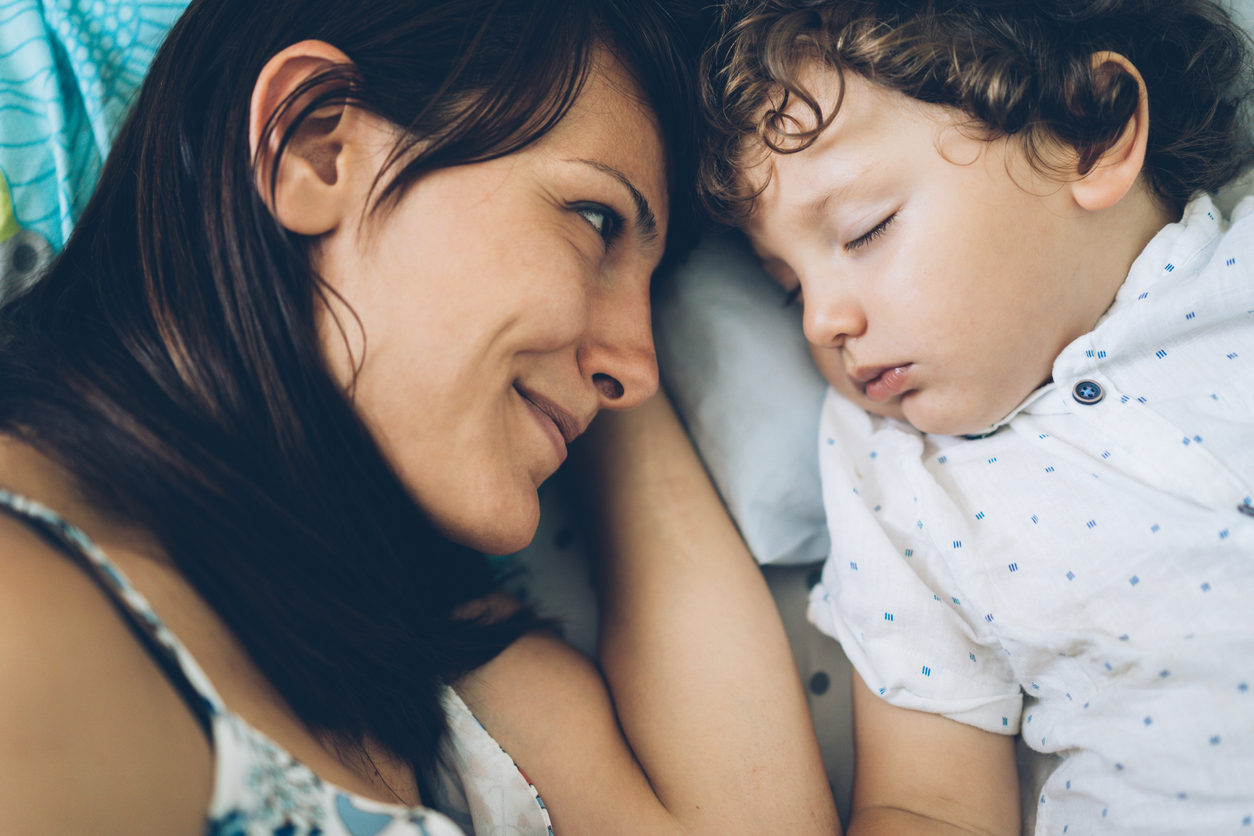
column 612, row 125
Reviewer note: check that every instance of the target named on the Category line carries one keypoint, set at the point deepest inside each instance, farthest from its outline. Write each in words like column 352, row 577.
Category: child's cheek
column 832, row 366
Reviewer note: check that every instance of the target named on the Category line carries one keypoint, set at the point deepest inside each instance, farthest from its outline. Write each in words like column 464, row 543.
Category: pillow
column 735, row 363
column 1242, row 12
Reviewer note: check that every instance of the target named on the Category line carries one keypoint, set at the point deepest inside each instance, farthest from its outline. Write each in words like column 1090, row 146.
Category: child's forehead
column 801, row 189
column 872, row 132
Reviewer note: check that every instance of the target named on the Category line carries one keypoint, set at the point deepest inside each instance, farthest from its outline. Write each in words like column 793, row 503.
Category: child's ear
column 310, row 191
column 1115, row 170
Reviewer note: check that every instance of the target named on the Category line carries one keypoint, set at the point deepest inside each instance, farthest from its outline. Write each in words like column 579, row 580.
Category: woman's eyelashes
column 607, row 223
column 793, row 296
column 875, row 232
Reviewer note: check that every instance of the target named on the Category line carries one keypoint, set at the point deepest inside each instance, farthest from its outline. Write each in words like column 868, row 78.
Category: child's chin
column 889, row 409
column 922, row 410
column 942, row 422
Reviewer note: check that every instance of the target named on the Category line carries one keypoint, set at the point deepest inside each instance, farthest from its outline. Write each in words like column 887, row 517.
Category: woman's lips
column 558, row 424
column 888, row 383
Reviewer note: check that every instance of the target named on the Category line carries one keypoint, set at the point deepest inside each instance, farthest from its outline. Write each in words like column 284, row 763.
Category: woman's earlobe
column 305, row 190
column 1116, row 168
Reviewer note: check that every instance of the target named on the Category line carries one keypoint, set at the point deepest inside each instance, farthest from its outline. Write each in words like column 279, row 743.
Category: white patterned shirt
column 1095, row 554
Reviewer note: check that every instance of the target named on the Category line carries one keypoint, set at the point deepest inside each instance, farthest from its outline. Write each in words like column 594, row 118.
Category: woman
column 352, row 280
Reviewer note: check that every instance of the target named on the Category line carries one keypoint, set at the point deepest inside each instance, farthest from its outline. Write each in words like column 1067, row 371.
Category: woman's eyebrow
column 646, row 221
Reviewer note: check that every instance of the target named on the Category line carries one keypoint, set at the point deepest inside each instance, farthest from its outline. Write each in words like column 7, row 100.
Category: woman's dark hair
column 1019, row 68
column 170, row 360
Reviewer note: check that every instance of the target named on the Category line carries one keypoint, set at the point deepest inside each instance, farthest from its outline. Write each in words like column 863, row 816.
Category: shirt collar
column 1037, row 394
column 1174, row 248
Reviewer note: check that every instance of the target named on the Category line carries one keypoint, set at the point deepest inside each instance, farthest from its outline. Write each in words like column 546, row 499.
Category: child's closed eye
column 875, row 232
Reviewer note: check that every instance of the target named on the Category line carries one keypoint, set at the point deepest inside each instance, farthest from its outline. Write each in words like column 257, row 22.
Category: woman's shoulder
column 90, row 727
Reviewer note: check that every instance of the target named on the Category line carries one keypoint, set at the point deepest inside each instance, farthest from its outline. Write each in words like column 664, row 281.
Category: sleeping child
column 1037, row 450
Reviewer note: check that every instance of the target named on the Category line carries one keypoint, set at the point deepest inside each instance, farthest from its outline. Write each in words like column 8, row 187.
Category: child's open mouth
column 888, row 383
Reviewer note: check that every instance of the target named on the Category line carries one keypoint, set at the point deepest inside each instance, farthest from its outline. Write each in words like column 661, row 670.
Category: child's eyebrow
column 844, row 189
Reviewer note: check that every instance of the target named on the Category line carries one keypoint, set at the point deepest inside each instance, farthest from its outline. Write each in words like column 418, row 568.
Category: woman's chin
column 496, row 530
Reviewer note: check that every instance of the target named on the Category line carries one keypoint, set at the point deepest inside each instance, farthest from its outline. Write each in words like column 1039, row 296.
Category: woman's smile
column 532, row 291
column 559, row 425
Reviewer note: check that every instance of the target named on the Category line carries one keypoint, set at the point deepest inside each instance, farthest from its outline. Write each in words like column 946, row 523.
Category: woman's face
column 499, row 305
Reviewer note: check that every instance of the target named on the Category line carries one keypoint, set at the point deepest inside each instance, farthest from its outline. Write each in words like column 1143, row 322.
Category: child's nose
column 831, row 318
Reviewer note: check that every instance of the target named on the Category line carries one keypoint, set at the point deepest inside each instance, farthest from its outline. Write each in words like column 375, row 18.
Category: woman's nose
column 831, row 316
column 619, row 356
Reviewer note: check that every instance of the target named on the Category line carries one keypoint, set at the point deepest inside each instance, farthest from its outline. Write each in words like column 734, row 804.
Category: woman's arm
column 715, row 733
column 921, row 773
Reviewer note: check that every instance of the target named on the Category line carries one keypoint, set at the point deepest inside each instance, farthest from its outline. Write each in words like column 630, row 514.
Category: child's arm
column 920, row 773
column 713, row 734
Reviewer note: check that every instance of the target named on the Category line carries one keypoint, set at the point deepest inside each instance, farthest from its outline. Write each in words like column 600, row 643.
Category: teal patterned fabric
column 68, row 71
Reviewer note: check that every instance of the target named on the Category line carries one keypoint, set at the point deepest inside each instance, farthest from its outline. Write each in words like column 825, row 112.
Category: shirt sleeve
column 885, row 593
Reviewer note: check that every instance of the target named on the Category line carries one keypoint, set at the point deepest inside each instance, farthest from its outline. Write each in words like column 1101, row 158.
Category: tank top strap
column 167, row 651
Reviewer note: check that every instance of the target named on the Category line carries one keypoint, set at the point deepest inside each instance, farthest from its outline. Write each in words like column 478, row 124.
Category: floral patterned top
column 261, row 790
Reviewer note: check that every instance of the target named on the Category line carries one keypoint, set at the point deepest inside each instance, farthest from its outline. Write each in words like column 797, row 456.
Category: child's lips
column 885, row 382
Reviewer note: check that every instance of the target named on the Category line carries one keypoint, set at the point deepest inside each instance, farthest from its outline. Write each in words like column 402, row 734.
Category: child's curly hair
column 1019, row 68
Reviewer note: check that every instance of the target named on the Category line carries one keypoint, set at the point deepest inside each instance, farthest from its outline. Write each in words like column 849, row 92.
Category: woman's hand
column 712, row 733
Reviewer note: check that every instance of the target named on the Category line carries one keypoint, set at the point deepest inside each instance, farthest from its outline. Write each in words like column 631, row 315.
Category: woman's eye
column 793, row 296
column 604, row 220
column 875, row 232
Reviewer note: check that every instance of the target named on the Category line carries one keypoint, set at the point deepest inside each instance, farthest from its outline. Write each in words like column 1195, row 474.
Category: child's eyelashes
column 875, row 232
column 605, row 221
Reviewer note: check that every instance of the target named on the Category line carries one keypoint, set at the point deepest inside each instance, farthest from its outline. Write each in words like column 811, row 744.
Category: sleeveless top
column 259, row 789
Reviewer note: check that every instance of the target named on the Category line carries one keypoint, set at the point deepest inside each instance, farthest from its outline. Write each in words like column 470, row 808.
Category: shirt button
column 1088, row 392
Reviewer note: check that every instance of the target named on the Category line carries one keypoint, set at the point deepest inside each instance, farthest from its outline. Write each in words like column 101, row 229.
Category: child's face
column 941, row 275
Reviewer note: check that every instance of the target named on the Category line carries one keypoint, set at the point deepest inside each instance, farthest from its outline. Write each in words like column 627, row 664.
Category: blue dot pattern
column 1099, row 551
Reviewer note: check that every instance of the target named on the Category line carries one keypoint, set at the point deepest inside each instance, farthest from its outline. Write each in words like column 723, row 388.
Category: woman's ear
column 311, row 190
column 1116, row 169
